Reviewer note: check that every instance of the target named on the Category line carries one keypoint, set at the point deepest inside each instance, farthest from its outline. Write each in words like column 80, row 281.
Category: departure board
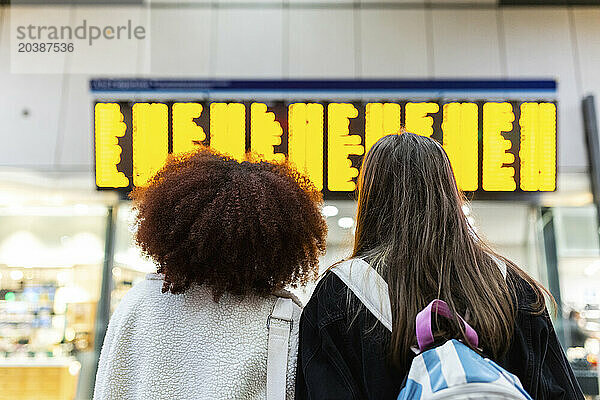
column 493, row 146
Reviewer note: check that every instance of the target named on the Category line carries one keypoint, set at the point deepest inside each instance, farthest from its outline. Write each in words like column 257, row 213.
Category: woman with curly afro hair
column 215, row 321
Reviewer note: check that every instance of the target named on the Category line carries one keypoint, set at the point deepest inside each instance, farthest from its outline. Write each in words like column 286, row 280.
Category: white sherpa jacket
column 186, row 346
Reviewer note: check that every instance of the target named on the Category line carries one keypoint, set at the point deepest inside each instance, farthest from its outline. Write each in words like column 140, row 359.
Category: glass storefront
column 51, row 260
column 579, row 270
column 53, row 229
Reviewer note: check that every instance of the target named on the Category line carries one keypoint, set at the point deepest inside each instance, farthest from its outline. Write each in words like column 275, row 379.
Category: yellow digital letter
column 265, row 133
column 185, row 131
column 417, row 119
column 380, row 120
column 340, row 145
column 109, row 126
column 538, row 146
column 305, row 141
column 228, row 129
column 150, row 140
column 461, row 142
column 497, row 118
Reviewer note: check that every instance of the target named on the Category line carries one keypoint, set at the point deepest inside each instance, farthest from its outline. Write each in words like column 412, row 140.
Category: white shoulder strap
column 370, row 288
column 280, row 328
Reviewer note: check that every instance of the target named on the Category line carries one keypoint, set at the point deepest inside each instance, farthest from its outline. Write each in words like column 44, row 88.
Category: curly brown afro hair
column 246, row 228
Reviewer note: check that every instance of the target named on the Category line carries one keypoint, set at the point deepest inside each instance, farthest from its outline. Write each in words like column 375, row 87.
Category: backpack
column 450, row 371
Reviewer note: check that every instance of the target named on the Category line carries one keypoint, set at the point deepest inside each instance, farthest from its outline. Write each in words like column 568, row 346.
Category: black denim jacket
column 342, row 360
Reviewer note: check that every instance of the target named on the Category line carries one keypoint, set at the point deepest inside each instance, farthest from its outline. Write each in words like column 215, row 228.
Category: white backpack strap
column 279, row 324
column 370, row 288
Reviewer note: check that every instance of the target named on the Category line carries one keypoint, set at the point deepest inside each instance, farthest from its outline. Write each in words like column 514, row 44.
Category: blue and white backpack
column 450, row 371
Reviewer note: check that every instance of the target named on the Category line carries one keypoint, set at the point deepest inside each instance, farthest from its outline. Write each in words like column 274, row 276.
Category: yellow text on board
column 320, row 135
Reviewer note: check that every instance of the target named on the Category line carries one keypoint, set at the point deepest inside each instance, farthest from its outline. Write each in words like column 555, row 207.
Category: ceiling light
column 330, row 211
column 346, row 222
column 16, row 275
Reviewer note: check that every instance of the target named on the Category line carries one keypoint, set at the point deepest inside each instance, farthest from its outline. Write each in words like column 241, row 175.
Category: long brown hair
column 413, row 231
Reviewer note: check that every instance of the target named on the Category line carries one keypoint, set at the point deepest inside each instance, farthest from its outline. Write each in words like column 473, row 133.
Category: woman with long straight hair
column 412, row 231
